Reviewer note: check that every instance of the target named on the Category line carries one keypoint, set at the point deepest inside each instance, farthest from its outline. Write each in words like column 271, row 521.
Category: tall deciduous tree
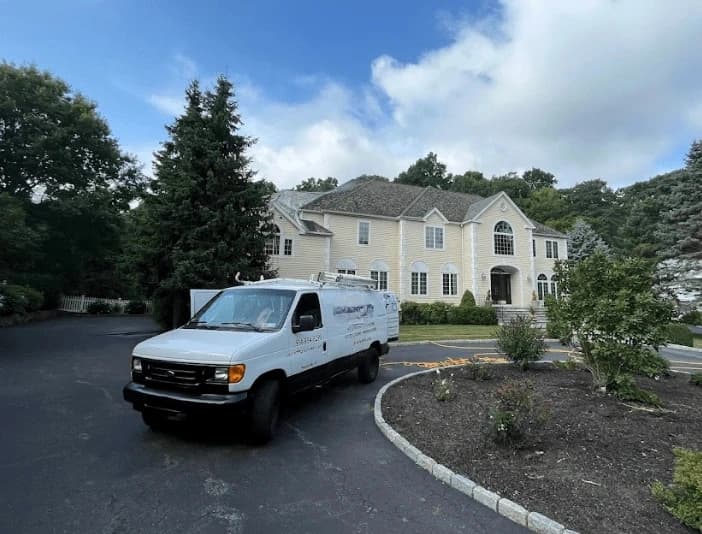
column 207, row 218
column 317, row 184
column 471, row 182
column 427, row 171
column 60, row 161
column 536, row 178
column 583, row 241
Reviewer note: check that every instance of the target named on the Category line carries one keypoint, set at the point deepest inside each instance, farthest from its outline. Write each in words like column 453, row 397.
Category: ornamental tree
column 609, row 309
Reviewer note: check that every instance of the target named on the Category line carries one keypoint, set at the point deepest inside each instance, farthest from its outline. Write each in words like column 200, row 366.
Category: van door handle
column 324, row 345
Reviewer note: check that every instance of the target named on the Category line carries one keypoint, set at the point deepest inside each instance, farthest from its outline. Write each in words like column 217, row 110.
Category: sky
column 607, row 89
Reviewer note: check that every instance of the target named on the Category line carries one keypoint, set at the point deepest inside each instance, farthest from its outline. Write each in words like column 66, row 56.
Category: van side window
column 308, row 305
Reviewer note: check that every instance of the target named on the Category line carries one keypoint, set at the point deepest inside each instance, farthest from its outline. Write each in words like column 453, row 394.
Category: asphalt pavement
column 74, row 457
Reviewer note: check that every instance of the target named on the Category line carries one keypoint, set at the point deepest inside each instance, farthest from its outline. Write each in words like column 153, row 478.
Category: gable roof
column 389, row 199
column 289, row 202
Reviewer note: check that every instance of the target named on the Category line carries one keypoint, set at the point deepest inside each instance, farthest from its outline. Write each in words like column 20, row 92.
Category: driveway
column 74, row 457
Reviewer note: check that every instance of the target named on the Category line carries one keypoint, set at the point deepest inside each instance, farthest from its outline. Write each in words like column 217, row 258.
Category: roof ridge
column 416, row 199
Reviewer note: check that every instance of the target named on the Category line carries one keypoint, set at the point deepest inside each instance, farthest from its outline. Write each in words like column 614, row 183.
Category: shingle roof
column 452, row 205
column 478, row 206
column 542, row 229
column 311, row 226
column 367, row 197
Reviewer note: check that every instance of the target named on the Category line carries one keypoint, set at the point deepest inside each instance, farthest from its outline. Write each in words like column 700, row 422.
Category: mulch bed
column 590, row 465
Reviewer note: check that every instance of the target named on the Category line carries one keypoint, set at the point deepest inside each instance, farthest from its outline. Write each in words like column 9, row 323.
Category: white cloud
column 582, row 89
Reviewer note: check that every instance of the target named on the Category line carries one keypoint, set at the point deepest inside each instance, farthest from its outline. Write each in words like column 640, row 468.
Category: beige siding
column 519, row 263
column 384, row 235
column 308, row 251
column 544, row 265
column 311, row 216
column 435, row 259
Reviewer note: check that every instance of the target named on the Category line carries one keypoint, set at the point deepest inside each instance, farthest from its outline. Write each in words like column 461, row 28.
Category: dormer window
column 504, row 239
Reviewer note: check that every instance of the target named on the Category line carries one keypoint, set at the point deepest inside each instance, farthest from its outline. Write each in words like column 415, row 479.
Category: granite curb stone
column 534, row 521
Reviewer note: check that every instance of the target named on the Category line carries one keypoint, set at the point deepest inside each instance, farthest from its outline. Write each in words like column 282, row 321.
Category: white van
column 251, row 345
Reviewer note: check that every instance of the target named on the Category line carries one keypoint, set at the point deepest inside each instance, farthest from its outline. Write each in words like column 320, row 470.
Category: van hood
column 192, row 345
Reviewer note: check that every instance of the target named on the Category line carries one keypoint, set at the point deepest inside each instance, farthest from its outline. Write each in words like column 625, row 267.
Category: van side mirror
column 307, row 323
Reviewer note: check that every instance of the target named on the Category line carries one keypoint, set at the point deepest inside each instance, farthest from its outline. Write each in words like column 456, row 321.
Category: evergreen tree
column 207, row 218
column 583, row 242
column 681, row 226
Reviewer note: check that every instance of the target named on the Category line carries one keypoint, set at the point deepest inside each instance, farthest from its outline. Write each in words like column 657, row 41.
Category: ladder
column 347, row 280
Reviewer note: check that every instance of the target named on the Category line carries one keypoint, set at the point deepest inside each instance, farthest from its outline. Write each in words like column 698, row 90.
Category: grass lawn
column 434, row 332
column 696, row 341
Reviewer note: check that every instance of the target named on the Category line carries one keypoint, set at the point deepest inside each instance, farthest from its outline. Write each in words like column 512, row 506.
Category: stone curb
column 532, row 520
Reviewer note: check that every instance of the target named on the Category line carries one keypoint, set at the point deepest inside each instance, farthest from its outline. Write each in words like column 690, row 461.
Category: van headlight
column 221, row 374
column 136, row 365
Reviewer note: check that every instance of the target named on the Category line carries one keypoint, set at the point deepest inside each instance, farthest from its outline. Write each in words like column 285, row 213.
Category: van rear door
column 393, row 316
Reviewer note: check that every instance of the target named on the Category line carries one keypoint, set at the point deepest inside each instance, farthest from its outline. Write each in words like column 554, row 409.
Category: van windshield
column 245, row 308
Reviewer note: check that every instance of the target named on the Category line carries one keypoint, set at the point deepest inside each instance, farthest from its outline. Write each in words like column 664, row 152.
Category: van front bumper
column 143, row 397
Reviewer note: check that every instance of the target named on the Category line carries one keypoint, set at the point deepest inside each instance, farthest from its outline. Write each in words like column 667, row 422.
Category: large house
column 424, row 244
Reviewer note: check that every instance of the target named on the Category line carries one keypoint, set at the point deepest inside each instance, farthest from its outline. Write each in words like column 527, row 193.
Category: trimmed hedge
column 15, row 299
column 99, row 307
column 443, row 313
column 680, row 334
column 135, row 307
column 467, row 300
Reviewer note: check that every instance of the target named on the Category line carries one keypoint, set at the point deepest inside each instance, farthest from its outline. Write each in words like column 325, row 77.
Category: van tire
column 265, row 410
column 154, row 420
column 368, row 368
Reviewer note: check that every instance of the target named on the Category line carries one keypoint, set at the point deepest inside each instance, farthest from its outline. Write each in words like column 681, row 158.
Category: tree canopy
column 427, row 171
column 317, row 184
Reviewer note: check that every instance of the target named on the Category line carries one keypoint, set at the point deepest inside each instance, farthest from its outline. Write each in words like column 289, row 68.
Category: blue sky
column 332, row 88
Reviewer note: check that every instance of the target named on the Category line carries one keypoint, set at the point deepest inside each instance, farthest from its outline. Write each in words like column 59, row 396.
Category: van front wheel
column 368, row 368
column 265, row 409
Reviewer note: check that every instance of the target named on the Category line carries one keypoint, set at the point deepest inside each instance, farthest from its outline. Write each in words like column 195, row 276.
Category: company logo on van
column 365, row 310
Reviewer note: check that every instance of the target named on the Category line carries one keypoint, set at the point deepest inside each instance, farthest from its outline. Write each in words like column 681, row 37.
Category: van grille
column 169, row 375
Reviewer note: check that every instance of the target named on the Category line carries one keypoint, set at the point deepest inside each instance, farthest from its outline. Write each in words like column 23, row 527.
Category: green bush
column 517, row 415
column 696, row 379
column 626, row 389
column 478, row 372
column 680, row 334
column 651, row 364
column 437, row 313
column 692, row 317
column 467, row 300
column 444, row 387
column 19, row 299
column 99, row 307
column 135, row 307
column 521, row 341
column 566, row 365
column 481, row 315
column 683, row 498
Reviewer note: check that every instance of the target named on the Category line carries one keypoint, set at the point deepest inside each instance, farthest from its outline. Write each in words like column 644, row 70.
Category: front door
column 500, row 286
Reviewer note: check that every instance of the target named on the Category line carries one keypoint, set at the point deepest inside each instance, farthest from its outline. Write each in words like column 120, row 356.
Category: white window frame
column 554, row 286
column 272, row 245
column 419, row 277
column 381, row 277
column 434, row 229
column 358, row 233
column 542, row 286
column 285, row 247
column 552, row 249
column 503, row 240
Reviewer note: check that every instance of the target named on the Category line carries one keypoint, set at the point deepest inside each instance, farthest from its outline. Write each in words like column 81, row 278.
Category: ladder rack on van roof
column 347, row 280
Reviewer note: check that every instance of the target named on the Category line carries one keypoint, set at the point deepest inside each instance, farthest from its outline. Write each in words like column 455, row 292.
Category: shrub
column 444, row 388
column 19, row 299
column 679, row 334
column 692, row 317
column 651, row 364
column 117, row 308
column 517, row 415
column 481, row 315
column 99, row 307
column 683, row 498
column 696, row 379
column 467, row 300
column 478, row 372
column 626, row 389
column 135, row 307
column 437, row 312
column 521, row 341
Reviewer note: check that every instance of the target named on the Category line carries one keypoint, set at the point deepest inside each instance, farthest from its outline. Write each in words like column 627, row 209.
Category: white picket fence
column 79, row 304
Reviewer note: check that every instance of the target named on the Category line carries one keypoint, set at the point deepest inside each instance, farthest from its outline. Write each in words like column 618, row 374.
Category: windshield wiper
column 250, row 325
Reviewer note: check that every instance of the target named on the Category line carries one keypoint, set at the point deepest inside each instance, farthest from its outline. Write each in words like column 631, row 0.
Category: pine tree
column 207, row 218
column 583, row 241
column 681, row 226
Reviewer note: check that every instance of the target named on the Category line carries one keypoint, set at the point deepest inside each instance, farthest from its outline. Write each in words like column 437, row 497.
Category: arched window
column 346, row 266
column 504, row 239
column 379, row 272
column 418, row 279
column 554, row 286
column 272, row 245
column 449, row 279
column 542, row 286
